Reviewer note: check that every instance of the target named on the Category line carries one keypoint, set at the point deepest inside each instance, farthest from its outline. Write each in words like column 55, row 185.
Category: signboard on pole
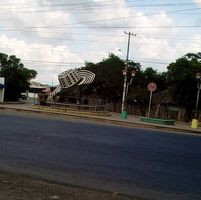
column 151, row 87
column 2, row 81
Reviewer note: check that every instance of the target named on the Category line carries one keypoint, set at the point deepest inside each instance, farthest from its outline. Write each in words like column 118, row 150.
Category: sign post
column 195, row 119
column 2, row 86
column 151, row 87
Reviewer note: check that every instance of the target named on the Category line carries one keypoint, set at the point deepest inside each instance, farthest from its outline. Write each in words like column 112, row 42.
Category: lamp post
column 195, row 119
column 133, row 72
column 198, row 77
column 125, row 88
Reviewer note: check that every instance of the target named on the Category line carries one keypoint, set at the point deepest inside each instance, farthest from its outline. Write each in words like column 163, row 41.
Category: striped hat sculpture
column 70, row 78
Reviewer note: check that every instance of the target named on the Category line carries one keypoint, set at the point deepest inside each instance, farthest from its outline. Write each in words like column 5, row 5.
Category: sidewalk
column 131, row 121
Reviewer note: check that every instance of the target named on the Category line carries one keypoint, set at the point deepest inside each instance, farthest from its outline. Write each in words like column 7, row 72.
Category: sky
column 52, row 36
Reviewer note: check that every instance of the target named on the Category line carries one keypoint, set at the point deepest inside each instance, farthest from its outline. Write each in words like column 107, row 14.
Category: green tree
column 194, row 56
column 108, row 83
column 17, row 77
column 182, row 81
column 138, row 90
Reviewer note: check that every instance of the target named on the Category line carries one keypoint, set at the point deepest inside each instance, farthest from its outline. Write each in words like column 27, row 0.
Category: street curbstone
column 105, row 119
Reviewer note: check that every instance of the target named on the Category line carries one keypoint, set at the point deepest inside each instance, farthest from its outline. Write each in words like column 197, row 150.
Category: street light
column 125, row 89
column 125, row 74
column 195, row 120
column 133, row 72
column 198, row 77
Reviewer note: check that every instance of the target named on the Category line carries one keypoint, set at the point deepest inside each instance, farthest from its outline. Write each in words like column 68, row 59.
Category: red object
column 46, row 90
column 152, row 87
column 133, row 73
column 198, row 75
column 124, row 72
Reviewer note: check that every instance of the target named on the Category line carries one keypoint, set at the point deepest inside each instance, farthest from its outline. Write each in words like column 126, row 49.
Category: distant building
column 34, row 89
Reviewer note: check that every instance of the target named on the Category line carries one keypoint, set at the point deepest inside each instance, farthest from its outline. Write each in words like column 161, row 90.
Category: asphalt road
column 148, row 164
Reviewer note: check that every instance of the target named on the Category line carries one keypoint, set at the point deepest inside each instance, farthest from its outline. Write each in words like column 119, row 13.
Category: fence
column 158, row 111
column 81, row 103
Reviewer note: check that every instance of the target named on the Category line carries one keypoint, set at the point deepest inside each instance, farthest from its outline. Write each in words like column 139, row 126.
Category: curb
column 109, row 121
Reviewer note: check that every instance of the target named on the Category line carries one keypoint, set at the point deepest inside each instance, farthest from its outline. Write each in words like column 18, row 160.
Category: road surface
column 144, row 163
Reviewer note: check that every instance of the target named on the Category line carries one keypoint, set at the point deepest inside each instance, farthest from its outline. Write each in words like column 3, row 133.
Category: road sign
column 152, row 87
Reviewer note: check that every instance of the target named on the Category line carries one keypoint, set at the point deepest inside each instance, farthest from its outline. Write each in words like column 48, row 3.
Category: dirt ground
column 18, row 187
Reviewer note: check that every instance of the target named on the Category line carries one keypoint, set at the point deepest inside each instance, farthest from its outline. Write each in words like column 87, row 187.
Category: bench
column 157, row 121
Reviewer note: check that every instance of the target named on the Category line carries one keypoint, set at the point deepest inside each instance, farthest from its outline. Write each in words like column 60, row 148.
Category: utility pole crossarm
column 128, row 47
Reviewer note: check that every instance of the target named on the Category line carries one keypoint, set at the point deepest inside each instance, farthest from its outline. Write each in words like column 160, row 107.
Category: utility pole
column 123, row 107
column 195, row 119
column 52, row 81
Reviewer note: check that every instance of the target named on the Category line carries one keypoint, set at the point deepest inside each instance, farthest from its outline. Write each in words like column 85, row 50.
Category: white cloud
column 198, row 2
column 26, row 44
column 55, row 57
column 194, row 46
column 24, row 13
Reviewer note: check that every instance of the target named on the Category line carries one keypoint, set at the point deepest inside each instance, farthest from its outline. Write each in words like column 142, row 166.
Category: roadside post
column 123, row 111
column 151, row 88
column 2, row 88
column 195, row 119
column 133, row 73
column 125, row 71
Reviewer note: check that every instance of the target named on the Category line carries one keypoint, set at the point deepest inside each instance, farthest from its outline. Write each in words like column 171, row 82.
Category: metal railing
column 80, row 103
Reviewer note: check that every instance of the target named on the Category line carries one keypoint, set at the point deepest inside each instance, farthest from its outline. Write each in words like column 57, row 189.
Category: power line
column 51, row 62
column 142, row 60
column 104, row 20
column 118, row 18
column 90, row 4
column 86, row 11
column 114, row 42
column 93, row 4
column 152, row 62
column 120, row 27
column 55, row 50
column 140, row 35
column 100, row 5
column 109, row 27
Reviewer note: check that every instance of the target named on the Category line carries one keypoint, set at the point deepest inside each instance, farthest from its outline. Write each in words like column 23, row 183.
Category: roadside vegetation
column 16, row 76
column 178, row 83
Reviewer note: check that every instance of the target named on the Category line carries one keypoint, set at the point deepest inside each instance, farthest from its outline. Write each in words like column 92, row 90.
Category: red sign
column 46, row 90
column 152, row 87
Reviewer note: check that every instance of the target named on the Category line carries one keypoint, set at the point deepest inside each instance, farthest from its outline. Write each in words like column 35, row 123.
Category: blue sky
column 52, row 36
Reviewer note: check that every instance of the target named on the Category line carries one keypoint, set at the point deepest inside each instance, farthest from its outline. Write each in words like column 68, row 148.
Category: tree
column 182, row 81
column 194, row 56
column 138, row 91
column 108, row 83
column 17, row 77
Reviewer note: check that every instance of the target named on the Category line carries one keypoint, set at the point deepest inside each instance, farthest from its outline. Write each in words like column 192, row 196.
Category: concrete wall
column 2, row 81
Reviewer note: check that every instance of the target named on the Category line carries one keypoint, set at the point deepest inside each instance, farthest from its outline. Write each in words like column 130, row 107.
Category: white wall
column 2, row 81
